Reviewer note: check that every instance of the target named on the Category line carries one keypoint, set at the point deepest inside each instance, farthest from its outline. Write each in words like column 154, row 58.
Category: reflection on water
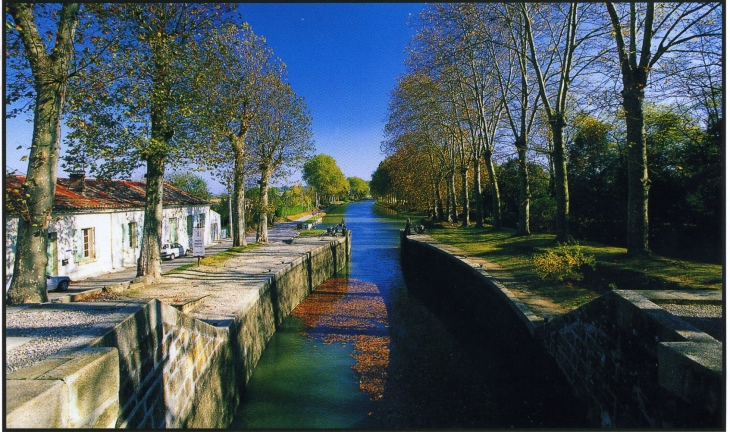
column 362, row 351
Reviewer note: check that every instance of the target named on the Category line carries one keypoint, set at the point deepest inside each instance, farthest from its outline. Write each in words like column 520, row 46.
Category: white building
column 96, row 225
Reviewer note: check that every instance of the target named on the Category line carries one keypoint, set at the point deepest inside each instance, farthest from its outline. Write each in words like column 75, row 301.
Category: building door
column 52, row 253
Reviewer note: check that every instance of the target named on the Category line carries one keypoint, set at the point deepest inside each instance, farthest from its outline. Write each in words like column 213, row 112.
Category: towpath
column 35, row 332
column 279, row 232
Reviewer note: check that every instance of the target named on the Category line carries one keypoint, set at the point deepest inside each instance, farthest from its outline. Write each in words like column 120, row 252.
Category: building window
column 89, row 243
column 133, row 240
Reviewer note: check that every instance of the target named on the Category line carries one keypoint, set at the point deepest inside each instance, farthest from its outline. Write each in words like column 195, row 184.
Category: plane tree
column 41, row 44
column 279, row 140
column 449, row 47
column 232, row 70
column 415, row 117
column 133, row 108
column 645, row 35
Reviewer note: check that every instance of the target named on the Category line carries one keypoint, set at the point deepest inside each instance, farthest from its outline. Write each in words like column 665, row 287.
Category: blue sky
column 343, row 58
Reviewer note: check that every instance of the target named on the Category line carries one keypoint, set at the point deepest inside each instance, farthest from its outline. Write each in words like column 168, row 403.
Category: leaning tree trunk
column 238, row 219
column 562, row 217
column 148, row 263
column 523, row 221
column 29, row 269
column 262, row 234
column 494, row 186
column 465, row 196
column 638, row 175
column 50, row 74
column 478, row 199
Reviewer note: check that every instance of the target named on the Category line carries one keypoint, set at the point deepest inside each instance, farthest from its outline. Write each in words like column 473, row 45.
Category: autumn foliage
column 350, row 311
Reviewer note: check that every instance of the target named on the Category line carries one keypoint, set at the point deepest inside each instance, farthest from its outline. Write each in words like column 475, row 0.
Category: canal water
column 366, row 351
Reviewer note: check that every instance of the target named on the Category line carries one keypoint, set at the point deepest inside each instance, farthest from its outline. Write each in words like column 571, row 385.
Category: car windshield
column 165, row 246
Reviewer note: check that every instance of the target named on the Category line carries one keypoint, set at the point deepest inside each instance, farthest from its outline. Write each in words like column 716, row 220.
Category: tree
column 135, row 106
column 50, row 69
column 673, row 25
column 190, row 183
column 457, row 42
column 359, row 188
column 322, row 173
column 553, row 51
column 279, row 140
column 597, row 174
column 415, row 121
column 232, row 69
column 380, row 184
column 509, row 173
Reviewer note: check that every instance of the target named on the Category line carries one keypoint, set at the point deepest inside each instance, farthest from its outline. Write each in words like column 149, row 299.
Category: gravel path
column 37, row 332
column 707, row 318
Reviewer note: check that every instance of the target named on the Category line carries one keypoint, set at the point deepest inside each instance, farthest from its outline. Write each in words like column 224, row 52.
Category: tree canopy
column 322, row 173
column 541, row 90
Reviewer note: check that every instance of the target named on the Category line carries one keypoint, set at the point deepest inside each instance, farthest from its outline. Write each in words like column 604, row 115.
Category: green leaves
column 322, row 173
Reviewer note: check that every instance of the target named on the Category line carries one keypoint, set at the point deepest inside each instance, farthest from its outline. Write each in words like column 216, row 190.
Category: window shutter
column 125, row 236
column 78, row 245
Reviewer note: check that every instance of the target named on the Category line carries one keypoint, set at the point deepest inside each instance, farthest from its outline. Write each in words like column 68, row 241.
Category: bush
column 286, row 211
column 562, row 263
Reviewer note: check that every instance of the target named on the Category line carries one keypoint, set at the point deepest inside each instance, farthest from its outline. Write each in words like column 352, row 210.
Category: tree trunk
column 238, row 218
column 496, row 200
column 50, row 73
column 454, row 211
column 29, row 269
column 262, row 234
column 638, row 175
column 523, row 221
column 439, row 202
column 478, row 200
column 562, row 217
column 448, row 198
column 465, row 197
column 148, row 263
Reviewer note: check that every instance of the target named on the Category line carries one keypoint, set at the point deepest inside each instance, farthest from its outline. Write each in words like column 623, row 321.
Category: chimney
column 76, row 182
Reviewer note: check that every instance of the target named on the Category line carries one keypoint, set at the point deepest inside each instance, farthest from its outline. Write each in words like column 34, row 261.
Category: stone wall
column 161, row 368
column 632, row 362
column 615, row 350
column 79, row 390
column 170, row 364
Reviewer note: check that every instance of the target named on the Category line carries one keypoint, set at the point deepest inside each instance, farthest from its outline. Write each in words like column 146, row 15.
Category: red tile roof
column 103, row 194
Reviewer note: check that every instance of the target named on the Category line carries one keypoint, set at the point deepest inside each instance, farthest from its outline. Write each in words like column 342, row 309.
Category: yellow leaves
column 562, row 263
column 348, row 312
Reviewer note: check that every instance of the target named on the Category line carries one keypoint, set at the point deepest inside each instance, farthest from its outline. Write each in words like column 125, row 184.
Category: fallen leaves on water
column 351, row 311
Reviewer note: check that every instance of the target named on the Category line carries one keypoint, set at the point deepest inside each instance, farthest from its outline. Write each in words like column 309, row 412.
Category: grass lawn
column 614, row 269
column 216, row 260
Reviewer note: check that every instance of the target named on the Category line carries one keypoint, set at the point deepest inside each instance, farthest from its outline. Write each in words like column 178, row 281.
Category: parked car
column 172, row 250
column 53, row 283
column 57, row 283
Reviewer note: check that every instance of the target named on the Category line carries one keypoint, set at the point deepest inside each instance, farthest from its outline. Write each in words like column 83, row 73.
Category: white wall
column 181, row 214
column 112, row 245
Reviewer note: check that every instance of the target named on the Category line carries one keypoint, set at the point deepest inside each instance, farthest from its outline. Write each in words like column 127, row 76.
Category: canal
column 366, row 350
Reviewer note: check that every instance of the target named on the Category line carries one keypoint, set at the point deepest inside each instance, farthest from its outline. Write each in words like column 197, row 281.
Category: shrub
column 562, row 263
